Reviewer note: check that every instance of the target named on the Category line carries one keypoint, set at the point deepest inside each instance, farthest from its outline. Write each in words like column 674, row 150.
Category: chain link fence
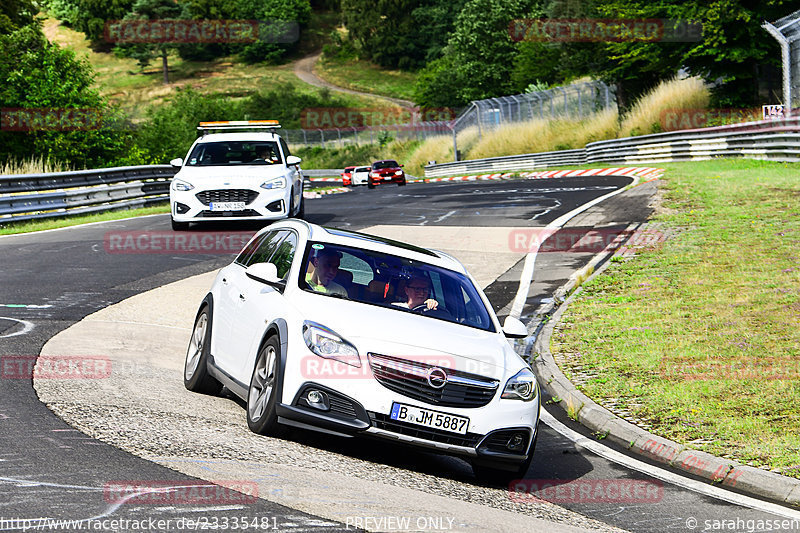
column 575, row 101
column 787, row 32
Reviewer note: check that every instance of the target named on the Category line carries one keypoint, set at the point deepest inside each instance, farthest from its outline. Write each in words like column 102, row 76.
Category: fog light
column 317, row 400
column 516, row 442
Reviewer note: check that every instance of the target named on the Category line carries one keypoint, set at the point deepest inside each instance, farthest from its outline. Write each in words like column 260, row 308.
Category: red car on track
column 386, row 171
column 347, row 176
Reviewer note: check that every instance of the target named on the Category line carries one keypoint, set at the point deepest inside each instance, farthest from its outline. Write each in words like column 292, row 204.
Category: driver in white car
column 417, row 291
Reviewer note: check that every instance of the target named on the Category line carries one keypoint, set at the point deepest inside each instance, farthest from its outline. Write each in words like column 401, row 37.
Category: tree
column 38, row 78
column 16, row 13
column 144, row 53
column 480, row 53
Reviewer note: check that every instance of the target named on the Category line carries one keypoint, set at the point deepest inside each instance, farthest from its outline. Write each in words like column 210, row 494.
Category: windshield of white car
column 393, row 282
column 238, row 153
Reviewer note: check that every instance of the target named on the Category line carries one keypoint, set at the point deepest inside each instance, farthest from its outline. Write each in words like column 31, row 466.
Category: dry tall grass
column 33, row 165
column 545, row 135
column 646, row 116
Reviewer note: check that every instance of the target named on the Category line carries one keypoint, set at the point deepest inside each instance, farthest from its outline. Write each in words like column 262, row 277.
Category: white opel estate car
column 352, row 334
column 236, row 175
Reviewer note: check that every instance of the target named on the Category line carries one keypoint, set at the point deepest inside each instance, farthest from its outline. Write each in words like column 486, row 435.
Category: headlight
column 521, row 387
column 398, row 173
column 325, row 343
column 375, row 174
column 180, row 185
column 277, row 183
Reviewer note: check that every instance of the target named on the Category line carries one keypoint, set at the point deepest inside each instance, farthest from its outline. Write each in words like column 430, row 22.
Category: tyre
column 402, row 183
column 195, row 370
column 179, row 226
column 500, row 476
column 262, row 395
column 301, row 211
column 370, row 185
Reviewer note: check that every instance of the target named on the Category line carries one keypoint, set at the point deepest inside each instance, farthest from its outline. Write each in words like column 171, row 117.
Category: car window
column 283, row 256
column 394, row 282
column 285, row 147
column 225, row 153
column 385, row 164
column 266, row 248
column 250, row 248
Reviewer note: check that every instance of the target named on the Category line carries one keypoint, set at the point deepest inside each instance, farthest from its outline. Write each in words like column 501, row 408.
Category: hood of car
column 406, row 335
column 231, row 175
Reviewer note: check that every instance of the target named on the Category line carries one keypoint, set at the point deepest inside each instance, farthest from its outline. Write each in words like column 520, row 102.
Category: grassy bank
column 367, row 77
column 698, row 337
column 11, row 228
column 134, row 89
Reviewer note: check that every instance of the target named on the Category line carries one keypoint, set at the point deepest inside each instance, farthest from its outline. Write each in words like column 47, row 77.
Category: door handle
column 241, row 297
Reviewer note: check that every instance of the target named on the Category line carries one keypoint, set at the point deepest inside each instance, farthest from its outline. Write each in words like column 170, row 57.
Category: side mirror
column 514, row 328
column 293, row 160
column 265, row 273
column 176, row 162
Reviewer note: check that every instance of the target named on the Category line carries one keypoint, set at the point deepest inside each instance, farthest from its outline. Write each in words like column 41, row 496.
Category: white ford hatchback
column 352, row 334
column 236, row 175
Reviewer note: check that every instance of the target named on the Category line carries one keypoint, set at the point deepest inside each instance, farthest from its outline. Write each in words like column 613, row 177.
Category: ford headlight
column 277, row 183
column 180, row 185
column 326, row 343
column 522, row 386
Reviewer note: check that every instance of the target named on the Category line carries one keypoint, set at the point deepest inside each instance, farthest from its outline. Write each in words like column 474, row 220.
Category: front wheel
column 401, row 183
column 195, row 370
column 179, row 226
column 262, row 417
column 370, row 185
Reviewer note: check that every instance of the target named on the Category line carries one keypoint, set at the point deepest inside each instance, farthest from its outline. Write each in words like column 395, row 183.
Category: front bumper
column 260, row 204
column 344, row 416
column 391, row 178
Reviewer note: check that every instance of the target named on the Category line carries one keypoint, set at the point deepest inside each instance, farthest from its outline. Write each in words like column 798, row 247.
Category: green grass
column 11, row 228
column 134, row 89
column 699, row 336
column 367, row 77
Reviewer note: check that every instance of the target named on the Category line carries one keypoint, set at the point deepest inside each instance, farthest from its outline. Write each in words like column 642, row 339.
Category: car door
column 260, row 305
column 228, row 311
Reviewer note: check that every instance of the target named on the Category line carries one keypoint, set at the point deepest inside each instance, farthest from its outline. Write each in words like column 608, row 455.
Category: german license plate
column 432, row 419
column 387, row 178
column 227, row 206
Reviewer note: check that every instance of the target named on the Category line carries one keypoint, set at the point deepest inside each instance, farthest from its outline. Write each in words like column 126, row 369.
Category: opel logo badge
column 437, row 378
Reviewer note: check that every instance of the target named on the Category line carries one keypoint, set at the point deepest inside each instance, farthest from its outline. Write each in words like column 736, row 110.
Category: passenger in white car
column 322, row 268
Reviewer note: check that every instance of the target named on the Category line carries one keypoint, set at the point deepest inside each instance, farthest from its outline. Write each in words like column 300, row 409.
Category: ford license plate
column 431, row 419
column 227, row 206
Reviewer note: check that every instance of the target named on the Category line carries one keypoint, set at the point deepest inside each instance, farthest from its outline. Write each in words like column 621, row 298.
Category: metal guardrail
column 57, row 194
column 32, row 196
column 777, row 140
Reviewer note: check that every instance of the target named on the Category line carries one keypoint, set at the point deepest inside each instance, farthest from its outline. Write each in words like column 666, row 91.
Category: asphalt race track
column 50, row 281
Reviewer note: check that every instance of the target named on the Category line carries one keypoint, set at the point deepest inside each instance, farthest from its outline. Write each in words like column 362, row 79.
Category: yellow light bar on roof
column 240, row 123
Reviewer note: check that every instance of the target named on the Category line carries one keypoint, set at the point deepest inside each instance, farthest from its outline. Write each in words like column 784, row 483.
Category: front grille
column 227, row 195
column 221, row 214
column 382, row 421
column 409, row 378
column 342, row 406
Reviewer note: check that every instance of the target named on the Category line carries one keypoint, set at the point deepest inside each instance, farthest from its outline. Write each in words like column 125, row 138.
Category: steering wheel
column 421, row 308
column 438, row 311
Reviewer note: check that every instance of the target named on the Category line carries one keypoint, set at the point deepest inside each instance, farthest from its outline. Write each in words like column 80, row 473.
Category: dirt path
column 304, row 69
